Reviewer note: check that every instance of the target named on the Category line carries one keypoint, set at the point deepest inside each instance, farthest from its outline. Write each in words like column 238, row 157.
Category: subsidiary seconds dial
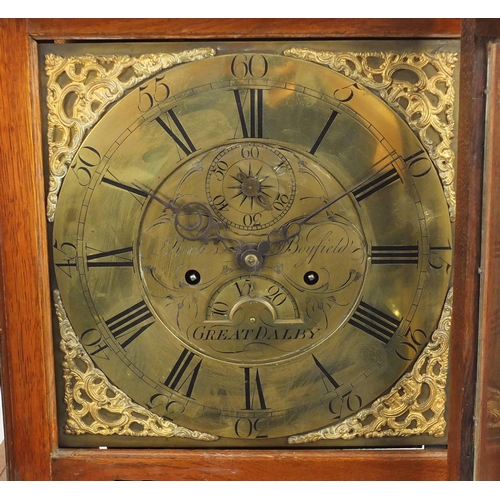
column 250, row 186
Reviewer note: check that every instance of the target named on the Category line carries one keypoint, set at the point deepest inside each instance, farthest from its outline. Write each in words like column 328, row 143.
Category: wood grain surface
column 3, row 468
column 466, row 259
column 27, row 381
column 488, row 413
column 466, row 302
column 305, row 465
column 174, row 29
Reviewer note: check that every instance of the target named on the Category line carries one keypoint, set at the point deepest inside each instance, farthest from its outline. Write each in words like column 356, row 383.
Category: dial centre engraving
column 251, row 306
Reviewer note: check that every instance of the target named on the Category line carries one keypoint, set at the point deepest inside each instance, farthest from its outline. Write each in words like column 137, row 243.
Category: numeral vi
column 254, row 394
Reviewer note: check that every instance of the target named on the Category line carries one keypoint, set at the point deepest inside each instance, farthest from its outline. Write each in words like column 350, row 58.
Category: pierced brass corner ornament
column 419, row 86
column 414, row 406
column 95, row 406
column 81, row 88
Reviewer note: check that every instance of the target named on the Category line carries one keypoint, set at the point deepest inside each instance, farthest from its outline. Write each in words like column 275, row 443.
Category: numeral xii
column 252, row 125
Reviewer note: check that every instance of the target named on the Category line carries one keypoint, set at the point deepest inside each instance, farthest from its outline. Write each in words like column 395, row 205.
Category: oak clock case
column 250, row 248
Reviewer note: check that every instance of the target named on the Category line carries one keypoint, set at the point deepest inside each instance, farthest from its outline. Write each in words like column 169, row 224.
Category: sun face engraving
column 251, row 188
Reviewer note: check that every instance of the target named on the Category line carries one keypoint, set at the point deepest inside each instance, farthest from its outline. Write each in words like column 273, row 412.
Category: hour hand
column 194, row 221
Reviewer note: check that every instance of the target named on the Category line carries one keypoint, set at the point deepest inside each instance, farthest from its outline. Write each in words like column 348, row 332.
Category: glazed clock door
column 250, row 248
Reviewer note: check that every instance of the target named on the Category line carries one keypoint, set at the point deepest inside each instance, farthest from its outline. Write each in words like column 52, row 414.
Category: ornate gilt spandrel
column 81, row 88
column 414, row 406
column 95, row 406
column 419, row 86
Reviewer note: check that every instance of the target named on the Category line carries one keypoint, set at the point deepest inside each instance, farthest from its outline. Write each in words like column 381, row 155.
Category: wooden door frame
column 483, row 74
column 476, row 35
column 28, row 380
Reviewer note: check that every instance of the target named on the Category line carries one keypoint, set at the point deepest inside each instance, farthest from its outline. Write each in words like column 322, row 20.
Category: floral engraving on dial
column 253, row 283
column 198, row 287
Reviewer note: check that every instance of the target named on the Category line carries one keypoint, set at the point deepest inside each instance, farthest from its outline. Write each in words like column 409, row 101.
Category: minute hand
column 292, row 228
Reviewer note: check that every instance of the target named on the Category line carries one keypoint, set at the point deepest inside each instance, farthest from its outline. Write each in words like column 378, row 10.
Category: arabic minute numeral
column 348, row 402
column 220, row 203
column 244, row 287
column 276, row 295
column 249, row 428
column 220, row 308
column 69, row 260
column 280, row 202
column 440, row 257
column 418, row 164
column 345, row 94
column 255, row 66
column 86, row 160
column 220, row 169
column 153, row 93
column 94, row 343
column 252, row 220
column 406, row 349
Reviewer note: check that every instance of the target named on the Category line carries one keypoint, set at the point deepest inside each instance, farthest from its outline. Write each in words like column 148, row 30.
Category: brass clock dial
column 252, row 246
